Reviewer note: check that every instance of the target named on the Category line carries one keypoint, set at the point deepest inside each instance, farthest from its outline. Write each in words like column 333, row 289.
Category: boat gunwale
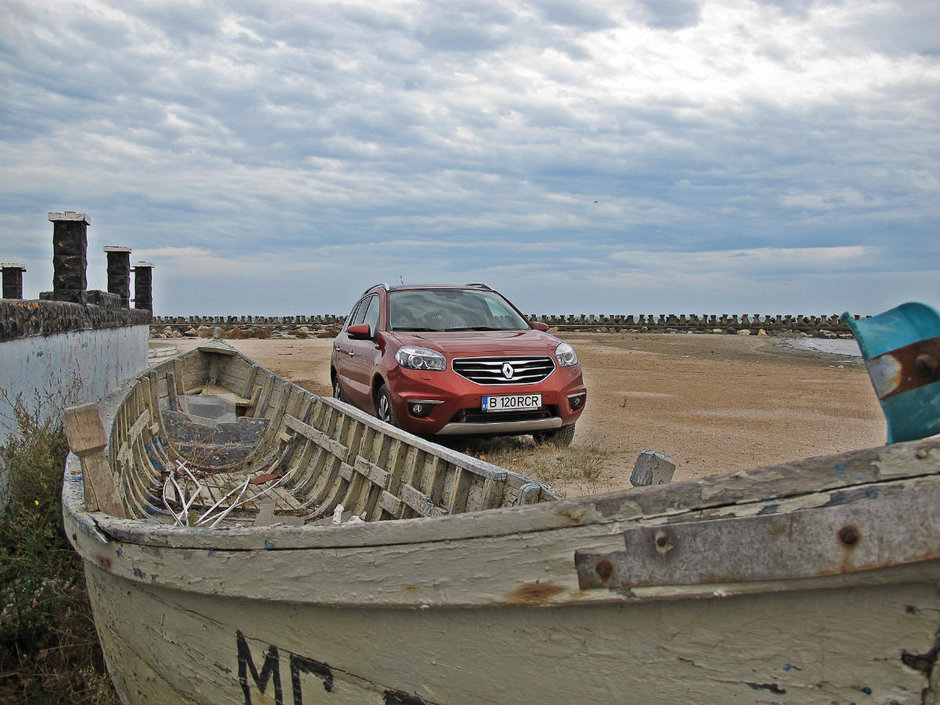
column 760, row 486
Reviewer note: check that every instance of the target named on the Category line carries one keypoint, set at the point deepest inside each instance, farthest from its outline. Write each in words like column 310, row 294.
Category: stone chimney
column 143, row 286
column 69, row 256
column 12, row 280
column 119, row 273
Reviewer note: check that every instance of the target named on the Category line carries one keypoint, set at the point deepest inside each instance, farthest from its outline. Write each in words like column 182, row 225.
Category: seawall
column 54, row 354
column 329, row 324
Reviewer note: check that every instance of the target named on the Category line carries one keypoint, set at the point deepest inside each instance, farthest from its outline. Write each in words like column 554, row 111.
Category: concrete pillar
column 69, row 256
column 143, row 286
column 119, row 273
column 652, row 468
column 12, row 280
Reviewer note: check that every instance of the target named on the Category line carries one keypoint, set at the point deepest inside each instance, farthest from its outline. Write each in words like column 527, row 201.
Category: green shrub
column 49, row 651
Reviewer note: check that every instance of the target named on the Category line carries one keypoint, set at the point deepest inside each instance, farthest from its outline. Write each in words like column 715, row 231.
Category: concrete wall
column 65, row 353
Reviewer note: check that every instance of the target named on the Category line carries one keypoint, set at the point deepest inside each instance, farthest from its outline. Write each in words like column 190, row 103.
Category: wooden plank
column 372, row 472
column 390, row 503
column 396, row 461
column 261, row 407
column 457, row 502
column 213, row 350
column 140, row 424
column 492, row 492
column 171, row 387
column 437, row 475
column 894, row 528
column 321, row 439
column 180, row 376
column 250, row 390
column 85, row 433
column 419, row 502
column 325, row 468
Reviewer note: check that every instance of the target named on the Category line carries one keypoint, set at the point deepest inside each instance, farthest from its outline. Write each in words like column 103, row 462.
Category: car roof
column 408, row 287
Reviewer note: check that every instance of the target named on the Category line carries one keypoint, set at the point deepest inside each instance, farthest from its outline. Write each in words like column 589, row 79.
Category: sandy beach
column 713, row 403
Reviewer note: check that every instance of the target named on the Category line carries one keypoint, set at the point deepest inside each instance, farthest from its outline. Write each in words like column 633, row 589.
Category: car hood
column 463, row 343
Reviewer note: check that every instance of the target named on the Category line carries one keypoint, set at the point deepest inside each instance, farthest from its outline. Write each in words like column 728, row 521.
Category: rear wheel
column 383, row 406
column 557, row 436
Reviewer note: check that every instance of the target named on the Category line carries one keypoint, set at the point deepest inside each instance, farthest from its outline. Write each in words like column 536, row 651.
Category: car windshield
column 450, row 310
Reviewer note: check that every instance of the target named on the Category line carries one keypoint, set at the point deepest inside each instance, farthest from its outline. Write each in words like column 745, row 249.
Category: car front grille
column 492, row 370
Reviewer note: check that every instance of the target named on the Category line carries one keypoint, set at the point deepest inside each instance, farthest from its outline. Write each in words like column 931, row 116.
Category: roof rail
column 383, row 285
column 482, row 286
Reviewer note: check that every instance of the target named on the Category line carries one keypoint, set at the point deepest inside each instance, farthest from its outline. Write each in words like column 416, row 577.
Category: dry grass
column 49, row 650
column 573, row 471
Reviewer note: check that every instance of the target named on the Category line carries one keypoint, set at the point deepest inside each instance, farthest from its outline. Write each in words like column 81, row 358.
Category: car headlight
column 415, row 358
column 566, row 355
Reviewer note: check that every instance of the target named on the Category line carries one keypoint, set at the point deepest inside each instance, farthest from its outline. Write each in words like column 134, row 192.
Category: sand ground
column 713, row 403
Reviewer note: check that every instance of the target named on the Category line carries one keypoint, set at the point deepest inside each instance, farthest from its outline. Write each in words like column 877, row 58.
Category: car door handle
column 351, row 353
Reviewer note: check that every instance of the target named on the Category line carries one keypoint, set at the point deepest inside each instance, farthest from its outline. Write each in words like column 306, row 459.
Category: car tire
column 337, row 390
column 558, row 436
column 383, row 406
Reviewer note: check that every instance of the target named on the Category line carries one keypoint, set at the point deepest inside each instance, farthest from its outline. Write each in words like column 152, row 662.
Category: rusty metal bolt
column 849, row 535
column 663, row 542
column 604, row 569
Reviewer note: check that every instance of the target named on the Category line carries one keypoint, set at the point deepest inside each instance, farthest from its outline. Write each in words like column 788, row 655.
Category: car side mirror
column 360, row 331
column 538, row 325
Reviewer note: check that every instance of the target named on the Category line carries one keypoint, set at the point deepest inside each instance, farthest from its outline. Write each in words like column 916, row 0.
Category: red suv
column 456, row 360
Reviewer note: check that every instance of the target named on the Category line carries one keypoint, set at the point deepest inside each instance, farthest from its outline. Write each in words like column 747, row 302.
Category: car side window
column 360, row 312
column 372, row 316
column 352, row 315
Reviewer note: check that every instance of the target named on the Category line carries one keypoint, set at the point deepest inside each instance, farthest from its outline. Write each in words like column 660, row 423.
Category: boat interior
column 212, row 439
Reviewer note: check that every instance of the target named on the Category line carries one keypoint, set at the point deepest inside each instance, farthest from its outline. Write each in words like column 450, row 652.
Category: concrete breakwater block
column 652, row 468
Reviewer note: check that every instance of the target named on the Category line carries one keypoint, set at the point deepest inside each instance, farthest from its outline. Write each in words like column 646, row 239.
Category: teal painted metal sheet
column 901, row 348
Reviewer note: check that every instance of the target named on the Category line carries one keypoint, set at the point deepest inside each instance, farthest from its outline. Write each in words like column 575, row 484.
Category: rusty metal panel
column 902, row 350
column 886, row 529
column 910, row 367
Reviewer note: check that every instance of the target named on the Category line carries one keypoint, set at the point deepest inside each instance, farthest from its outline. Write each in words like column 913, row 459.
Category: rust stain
column 533, row 593
column 412, row 589
column 103, row 562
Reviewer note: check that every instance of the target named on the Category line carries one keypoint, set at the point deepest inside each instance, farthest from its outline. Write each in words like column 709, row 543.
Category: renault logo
column 508, row 372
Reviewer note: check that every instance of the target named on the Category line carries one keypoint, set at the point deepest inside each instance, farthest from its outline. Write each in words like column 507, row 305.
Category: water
column 846, row 348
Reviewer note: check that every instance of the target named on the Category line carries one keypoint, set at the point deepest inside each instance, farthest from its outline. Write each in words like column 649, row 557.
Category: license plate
column 512, row 402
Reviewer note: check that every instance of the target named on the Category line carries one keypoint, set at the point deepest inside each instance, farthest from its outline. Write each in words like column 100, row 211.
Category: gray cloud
column 282, row 131
column 670, row 14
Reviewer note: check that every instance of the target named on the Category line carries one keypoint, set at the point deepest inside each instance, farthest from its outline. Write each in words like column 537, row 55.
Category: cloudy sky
column 582, row 156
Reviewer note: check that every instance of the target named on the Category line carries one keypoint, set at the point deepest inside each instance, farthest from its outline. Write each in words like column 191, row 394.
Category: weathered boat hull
column 814, row 582
column 803, row 646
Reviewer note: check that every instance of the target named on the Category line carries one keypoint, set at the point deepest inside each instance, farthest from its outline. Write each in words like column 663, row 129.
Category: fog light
column 576, row 401
column 420, row 410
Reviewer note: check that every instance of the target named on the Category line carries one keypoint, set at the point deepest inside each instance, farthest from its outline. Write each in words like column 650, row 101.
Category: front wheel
column 337, row 390
column 383, row 406
column 557, row 436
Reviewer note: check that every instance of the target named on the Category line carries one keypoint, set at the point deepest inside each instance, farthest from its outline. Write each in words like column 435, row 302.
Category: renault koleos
column 456, row 360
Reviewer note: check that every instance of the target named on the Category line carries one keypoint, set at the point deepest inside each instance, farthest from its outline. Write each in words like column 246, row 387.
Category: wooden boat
column 232, row 575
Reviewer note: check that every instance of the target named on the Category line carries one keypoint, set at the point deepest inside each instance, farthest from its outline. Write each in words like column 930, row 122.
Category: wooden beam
column 87, row 439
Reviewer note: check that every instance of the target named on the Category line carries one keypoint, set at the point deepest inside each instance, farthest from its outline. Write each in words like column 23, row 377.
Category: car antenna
column 401, row 279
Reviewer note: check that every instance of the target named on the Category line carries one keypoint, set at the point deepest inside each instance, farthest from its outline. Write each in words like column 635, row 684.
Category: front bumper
column 466, row 428
column 457, row 404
